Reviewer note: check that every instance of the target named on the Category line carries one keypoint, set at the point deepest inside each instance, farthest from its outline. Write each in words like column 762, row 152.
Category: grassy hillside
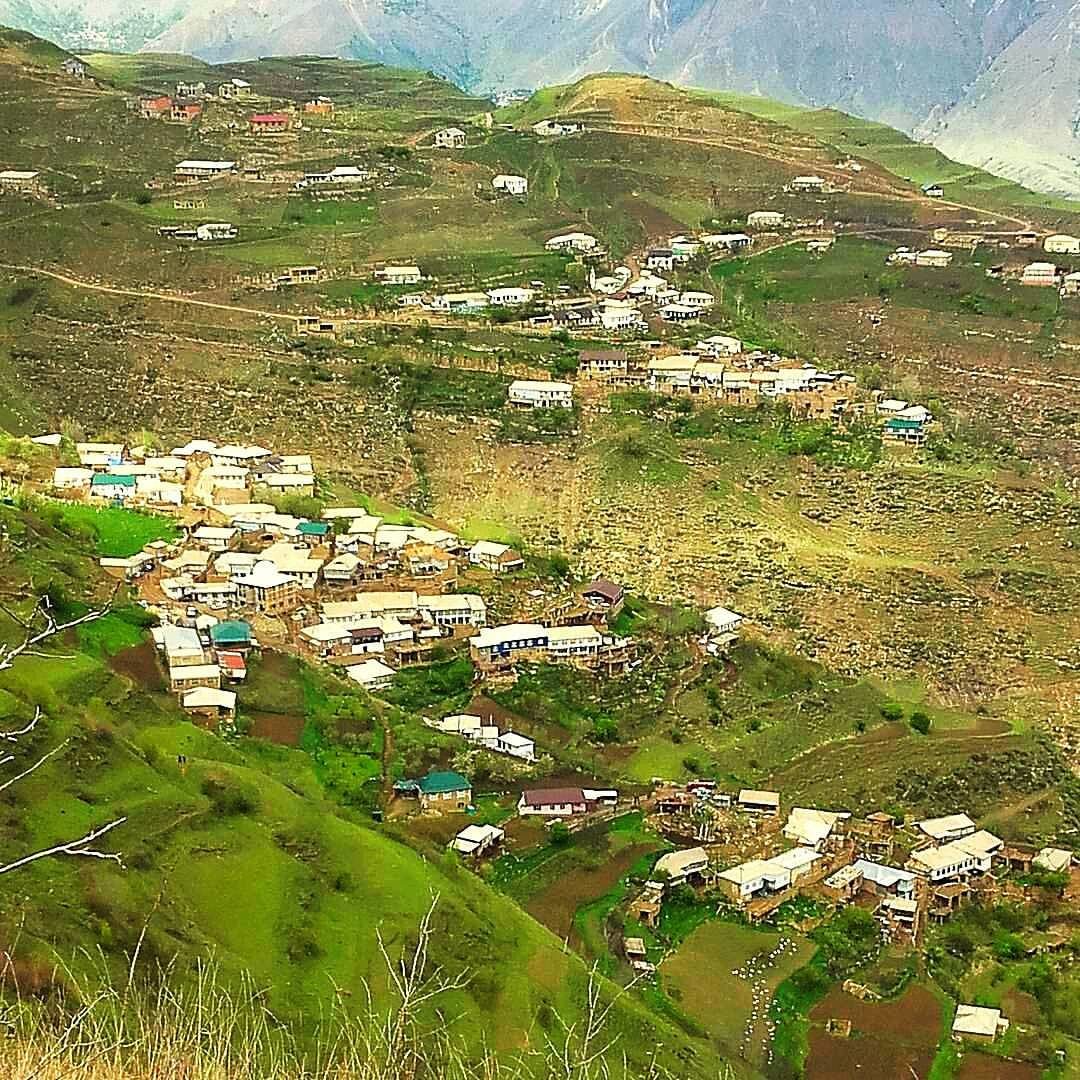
column 918, row 162
column 242, row 854
column 746, row 119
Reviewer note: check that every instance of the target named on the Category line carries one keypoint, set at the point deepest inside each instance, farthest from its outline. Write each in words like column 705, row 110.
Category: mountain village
column 453, row 683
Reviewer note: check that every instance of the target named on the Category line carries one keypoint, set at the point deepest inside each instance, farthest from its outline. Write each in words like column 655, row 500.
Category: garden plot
column 724, row 975
column 889, row 1040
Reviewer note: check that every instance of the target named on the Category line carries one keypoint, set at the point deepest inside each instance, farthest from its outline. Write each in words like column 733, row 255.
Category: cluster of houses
column 738, row 378
column 187, row 102
column 574, row 631
column 486, row 736
column 246, row 557
column 200, row 473
column 837, row 857
column 204, row 656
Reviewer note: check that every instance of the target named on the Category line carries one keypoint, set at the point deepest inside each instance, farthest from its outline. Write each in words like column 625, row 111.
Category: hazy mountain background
column 992, row 82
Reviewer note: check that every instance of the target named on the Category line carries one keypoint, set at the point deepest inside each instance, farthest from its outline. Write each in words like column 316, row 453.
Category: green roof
column 110, row 480
column 897, row 423
column 235, row 630
column 313, row 528
column 438, row 783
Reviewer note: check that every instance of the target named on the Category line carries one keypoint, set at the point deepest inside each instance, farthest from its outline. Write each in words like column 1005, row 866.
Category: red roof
column 607, row 590
column 554, row 796
column 232, row 661
column 270, row 118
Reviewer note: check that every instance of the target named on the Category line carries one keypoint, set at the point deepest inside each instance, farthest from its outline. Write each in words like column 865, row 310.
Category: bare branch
column 42, row 613
column 73, row 847
column 14, row 736
column 37, row 765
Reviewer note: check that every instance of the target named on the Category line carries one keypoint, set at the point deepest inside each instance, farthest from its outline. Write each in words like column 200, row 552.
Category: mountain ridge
column 953, row 72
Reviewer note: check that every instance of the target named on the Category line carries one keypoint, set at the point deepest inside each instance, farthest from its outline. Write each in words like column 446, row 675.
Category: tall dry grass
column 206, row 1028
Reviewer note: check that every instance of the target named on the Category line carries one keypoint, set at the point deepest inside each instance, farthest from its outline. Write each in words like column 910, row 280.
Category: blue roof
column 232, row 630
column 313, row 528
column 109, row 480
column 438, row 783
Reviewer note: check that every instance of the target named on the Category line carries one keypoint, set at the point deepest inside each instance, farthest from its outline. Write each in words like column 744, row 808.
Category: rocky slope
column 1021, row 116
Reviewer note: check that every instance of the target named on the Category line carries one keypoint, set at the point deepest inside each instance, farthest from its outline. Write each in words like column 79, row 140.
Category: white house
column 373, row 605
column 942, row 830
column 519, row 746
column 765, row 219
column 758, row 876
column 572, row 241
column 371, row 674
column 978, row 1022
column 943, row 863
column 660, row 258
column 697, row 299
column 1062, row 244
column 194, row 169
column 672, row 373
column 619, row 315
column 498, row 558
column 399, row 275
column 512, row 185
column 809, row 827
column 1054, row 860
column 719, row 345
column 684, row 248
column 476, row 839
column 99, row 455
column 730, row 242
column 935, row 258
column 460, row 302
column 216, row 230
column 808, row 183
column 215, row 539
column 67, row 479
column 680, row 865
column 886, row 879
column 454, row 609
column 679, row 312
column 510, row 296
column 209, row 699
column 1043, row 274
column 451, row 138
column 551, row 128
column 537, row 394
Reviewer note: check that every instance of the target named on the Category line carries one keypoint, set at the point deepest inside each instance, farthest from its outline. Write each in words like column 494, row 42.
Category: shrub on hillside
column 228, row 796
column 920, row 722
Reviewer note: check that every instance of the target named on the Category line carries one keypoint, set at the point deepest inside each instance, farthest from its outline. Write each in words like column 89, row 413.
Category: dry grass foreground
column 204, row 1029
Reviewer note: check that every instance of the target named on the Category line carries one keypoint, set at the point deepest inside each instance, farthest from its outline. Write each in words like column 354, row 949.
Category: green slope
column 240, row 856
column 919, row 162
column 635, row 99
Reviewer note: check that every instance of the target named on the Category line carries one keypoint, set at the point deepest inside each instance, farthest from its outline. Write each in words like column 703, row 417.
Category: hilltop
column 959, row 73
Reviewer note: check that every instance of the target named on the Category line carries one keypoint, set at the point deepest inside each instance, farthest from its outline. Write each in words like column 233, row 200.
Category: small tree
column 560, row 834
column 920, row 722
